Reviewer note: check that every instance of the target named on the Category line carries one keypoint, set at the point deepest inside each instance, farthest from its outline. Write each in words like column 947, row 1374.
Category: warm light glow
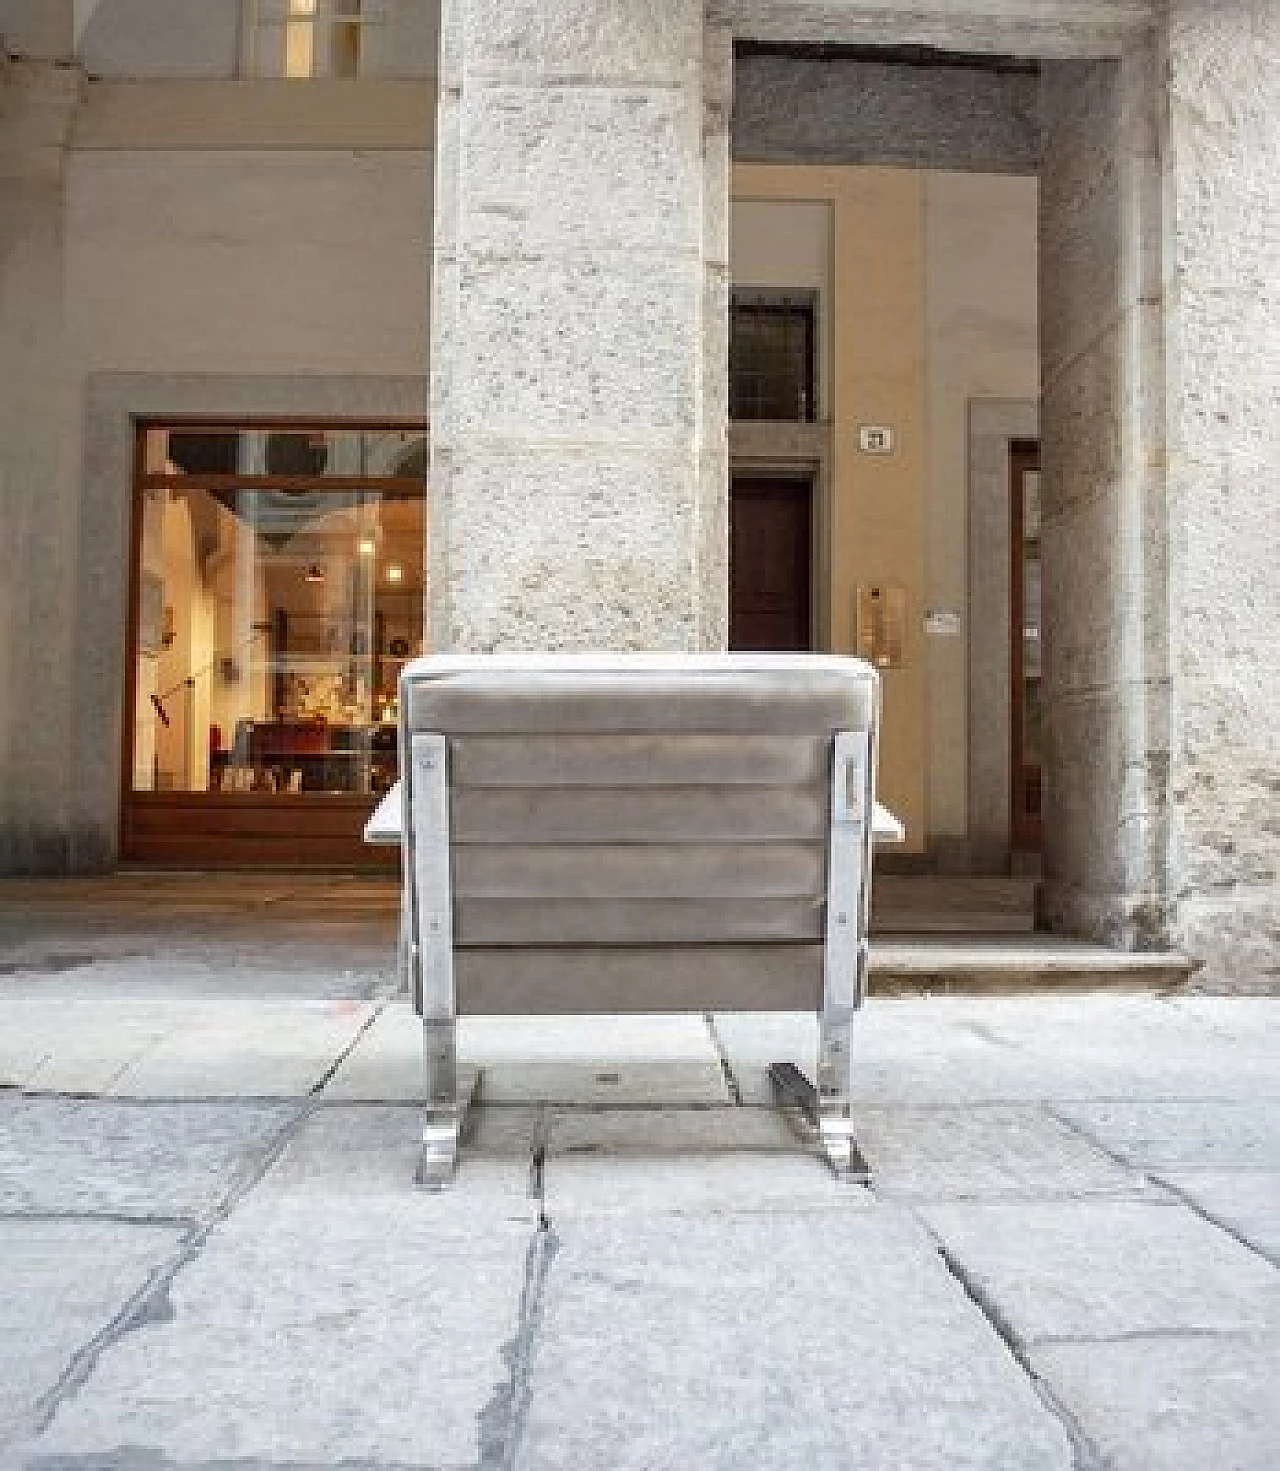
column 300, row 40
column 395, row 572
column 368, row 545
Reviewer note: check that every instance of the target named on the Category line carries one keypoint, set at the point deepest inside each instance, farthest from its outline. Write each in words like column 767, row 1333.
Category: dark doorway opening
column 770, row 564
column 1026, row 706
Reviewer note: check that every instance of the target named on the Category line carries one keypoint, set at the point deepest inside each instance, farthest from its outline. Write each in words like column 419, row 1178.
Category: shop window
column 307, row 38
column 772, row 371
column 279, row 592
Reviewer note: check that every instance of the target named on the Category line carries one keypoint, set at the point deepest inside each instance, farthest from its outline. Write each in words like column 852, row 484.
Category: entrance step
column 931, row 904
column 1044, row 963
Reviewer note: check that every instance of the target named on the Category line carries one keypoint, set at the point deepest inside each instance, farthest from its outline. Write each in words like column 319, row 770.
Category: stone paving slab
column 174, row 1047
column 370, row 1153
column 273, row 1050
column 1176, row 1133
column 687, row 1160
column 61, row 1045
column 368, row 1331
column 386, row 1064
column 1172, row 1404
column 595, row 1062
column 948, row 1051
column 233, row 959
column 1101, row 1269
column 1245, row 1201
column 61, row 1282
column 60, row 1155
column 986, row 1150
column 795, row 1343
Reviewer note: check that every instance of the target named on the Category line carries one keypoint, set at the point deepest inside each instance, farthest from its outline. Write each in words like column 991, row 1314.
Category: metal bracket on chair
column 442, row 1130
column 792, row 1088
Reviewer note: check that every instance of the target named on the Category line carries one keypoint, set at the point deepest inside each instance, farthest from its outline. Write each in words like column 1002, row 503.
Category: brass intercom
column 881, row 619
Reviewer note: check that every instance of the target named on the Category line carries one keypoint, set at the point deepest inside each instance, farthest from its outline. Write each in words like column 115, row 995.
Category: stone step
column 925, row 965
column 952, row 904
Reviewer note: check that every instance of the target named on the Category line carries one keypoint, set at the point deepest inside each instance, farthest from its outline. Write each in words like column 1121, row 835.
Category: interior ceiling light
column 368, row 545
column 395, row 572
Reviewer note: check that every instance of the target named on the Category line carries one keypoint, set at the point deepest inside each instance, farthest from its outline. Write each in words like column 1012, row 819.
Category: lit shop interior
column 278, row 593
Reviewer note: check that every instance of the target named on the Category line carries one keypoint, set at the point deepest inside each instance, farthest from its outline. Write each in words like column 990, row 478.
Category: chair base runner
column 443, row 1125
column 835, row 1128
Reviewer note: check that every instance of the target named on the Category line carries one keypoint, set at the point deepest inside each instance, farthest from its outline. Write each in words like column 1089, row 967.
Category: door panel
column 770, row 557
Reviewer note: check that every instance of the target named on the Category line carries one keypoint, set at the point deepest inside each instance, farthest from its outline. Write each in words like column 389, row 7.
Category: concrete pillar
column 579, row 332
column 1223, row 253
column 38, row 572
column 1104, row 509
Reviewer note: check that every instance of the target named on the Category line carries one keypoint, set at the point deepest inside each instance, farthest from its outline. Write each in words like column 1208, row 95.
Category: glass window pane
column 299, row 49
column 304, row 454
column 272, row 627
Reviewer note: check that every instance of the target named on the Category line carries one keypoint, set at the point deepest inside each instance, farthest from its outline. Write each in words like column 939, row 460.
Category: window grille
column 772, row 371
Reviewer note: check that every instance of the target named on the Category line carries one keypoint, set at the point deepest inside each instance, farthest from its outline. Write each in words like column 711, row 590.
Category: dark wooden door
column 770, row 557
column 1026, row 750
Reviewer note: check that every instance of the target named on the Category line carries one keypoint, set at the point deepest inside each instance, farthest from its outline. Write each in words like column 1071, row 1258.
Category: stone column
column 1223, row 261
column 38, row 573
column 579, row 338
column 1104, row 506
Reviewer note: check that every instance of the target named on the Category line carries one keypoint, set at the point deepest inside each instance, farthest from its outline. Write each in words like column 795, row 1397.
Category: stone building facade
column 523, row 224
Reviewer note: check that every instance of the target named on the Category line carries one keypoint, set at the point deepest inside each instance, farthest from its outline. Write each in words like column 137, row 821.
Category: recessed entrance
column 770, row 562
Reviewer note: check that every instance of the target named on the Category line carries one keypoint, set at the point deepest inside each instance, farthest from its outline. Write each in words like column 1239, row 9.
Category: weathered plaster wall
column 307, row 261
column 579, row 328
column 206, row 38
column 834, row 109
column 1223, row 263
column 37, row 490
column 162, row 38
column 36, row 29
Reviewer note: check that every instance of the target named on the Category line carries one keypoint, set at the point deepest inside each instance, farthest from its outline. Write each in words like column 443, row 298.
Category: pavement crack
column 726, row 1067
column 501, row 1422
column 362, row 1031
column 1085, row 1455
column 151, row 1303
column 1160, row 1177
column 1184, row 1197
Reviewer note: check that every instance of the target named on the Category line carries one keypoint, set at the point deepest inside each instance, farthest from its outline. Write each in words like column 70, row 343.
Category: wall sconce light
column 395, row 572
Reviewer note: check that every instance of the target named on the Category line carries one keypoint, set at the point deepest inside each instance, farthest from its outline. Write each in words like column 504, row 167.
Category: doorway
column 770, row 564
column 1026, row 758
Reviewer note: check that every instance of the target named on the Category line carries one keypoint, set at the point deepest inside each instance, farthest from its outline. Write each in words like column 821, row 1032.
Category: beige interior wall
column 877, row 510
column 928, row 301
column 982, row 342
